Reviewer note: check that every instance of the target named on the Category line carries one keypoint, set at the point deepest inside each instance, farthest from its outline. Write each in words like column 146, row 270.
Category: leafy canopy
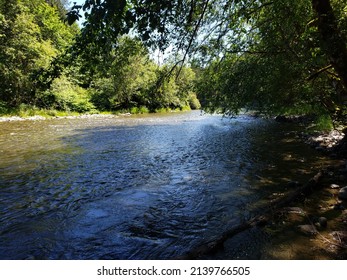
column 256, row 54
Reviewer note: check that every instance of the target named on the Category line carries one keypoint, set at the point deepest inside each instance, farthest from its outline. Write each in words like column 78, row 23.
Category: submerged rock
column 338, row 206
column 308, row 229
column 322, row 222
column 343, row 193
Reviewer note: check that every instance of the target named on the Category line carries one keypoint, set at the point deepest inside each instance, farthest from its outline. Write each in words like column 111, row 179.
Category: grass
column 323, row 123
column 27, row 111
column 139, row 110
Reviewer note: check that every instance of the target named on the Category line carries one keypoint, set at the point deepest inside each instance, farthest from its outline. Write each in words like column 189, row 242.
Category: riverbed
column 142, row 187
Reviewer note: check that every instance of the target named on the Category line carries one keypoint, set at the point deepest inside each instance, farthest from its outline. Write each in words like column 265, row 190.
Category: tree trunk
column 332, row 41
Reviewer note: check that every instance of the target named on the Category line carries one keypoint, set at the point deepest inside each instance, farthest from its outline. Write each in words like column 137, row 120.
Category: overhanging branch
column 320, row 71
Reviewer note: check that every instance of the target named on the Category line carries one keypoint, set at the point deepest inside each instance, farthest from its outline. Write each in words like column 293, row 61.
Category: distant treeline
column 40, row 69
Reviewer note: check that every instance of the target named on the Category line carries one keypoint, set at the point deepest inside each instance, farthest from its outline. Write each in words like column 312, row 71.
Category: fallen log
column 213, row 246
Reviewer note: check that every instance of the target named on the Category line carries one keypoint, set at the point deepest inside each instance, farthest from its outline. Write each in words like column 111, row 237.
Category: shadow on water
column 141, row 188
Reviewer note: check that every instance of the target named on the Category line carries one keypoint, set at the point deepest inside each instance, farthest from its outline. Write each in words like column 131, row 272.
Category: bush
column 137, row 110
column 3, row 108
column 66, row 96
column 25, row 110
column 194, row 102
column 323, row 123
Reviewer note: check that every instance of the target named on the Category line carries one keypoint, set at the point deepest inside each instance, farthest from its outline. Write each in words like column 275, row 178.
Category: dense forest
column 40, row 68
column 277, row 57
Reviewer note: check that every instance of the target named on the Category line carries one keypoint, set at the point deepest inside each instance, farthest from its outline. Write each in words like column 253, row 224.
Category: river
column 140, row 187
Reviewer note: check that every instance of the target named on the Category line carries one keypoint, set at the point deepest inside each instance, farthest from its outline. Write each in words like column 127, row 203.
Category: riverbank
column 310, row 224
column 34, row 114
column 318, row 221
column 74, row 116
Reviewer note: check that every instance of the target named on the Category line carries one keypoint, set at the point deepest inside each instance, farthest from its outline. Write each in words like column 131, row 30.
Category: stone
column 343, row 193
column 308, row 229
column 323, row 222
column 334, row 186
column 338, row 206
column 294, row 210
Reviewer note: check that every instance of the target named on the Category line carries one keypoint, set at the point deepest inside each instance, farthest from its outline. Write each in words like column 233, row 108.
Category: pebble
column 324, row 141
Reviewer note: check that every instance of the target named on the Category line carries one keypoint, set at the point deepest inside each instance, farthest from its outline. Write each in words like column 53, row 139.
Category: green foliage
column 276, row 68
column 25, row 110
column 66, row 96
column 154, row 21
column 34, row 70
column 52, row 27
column 3, row 108
column 31, row 35
column 124, row 79
column 193, row 102
column 141, row 110
column 21, row 52
column 131, row 80
column 272, row 56
column 323, row 123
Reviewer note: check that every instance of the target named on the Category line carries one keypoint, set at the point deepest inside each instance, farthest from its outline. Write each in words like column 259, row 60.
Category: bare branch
column 193, row 35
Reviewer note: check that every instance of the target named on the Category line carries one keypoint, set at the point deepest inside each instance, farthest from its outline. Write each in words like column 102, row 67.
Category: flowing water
column 143, row 187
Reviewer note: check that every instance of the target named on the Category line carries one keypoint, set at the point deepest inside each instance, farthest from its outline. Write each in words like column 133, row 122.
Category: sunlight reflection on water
column 143, row 187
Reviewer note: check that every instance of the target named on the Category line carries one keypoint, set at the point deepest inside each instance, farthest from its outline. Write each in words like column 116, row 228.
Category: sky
column 78, row 2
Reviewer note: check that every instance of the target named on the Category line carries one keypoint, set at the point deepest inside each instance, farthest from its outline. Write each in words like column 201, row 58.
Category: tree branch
column 255, row 52
column 317, row 73
column 193, row 36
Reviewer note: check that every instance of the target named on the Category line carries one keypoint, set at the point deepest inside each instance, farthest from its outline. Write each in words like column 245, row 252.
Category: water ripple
column 148, row 187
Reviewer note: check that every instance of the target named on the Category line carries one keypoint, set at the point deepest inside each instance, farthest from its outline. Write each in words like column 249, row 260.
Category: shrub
column 194, row 102
column 66, row 96
column 323, row 123
column 139, row 110
column 3, row 108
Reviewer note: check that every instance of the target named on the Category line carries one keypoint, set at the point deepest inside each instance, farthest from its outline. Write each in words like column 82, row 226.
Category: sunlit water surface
column 144, row 187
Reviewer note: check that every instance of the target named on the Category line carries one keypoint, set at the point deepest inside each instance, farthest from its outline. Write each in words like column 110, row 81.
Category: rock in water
column 323, row 222
column 343, row 193
column 308, row 229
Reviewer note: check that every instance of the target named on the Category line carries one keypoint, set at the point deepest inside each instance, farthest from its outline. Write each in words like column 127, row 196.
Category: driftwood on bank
column 267, row 212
